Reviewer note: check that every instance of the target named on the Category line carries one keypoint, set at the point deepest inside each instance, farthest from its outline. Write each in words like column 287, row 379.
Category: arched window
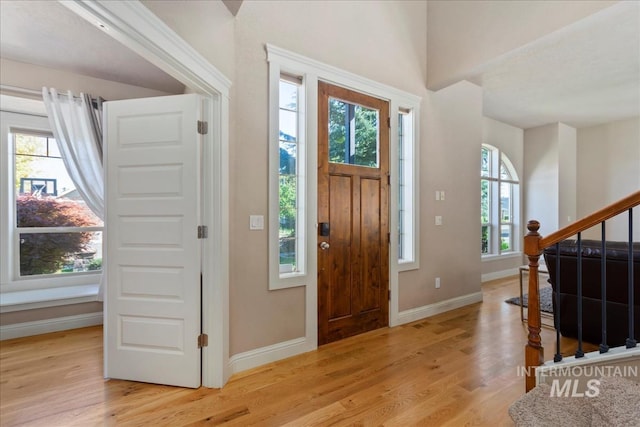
column 500, row 203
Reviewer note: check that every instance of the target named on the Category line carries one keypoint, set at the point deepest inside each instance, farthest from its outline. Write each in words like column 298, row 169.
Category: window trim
column 277, row 279
column 27, row 289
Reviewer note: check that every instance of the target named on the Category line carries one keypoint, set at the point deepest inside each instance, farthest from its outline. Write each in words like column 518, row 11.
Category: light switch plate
column 256, row 222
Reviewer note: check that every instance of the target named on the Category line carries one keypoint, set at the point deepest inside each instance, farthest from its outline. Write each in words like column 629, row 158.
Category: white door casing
column 136, row 27
column 153, row 294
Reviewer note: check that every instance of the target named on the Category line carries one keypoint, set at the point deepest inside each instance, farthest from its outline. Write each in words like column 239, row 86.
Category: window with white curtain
column 50, row 238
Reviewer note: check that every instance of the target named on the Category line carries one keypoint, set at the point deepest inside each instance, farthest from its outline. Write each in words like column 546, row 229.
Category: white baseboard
column 38, row 327
column 261, row 356
column 425, row 311
column 499, row 274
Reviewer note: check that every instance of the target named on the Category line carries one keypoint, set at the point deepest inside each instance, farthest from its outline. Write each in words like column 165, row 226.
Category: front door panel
column 353, row 164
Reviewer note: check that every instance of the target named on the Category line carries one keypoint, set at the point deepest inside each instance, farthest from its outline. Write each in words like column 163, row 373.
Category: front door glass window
column 353, row 134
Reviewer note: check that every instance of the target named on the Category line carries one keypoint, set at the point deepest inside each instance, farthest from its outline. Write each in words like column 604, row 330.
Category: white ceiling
column 585, row 74
column 48, row 34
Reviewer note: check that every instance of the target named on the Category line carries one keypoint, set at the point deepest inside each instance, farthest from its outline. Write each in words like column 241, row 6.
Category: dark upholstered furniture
column 616, row 293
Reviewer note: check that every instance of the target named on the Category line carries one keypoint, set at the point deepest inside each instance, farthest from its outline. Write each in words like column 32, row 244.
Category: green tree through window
column 288, row 190
column 362, row 149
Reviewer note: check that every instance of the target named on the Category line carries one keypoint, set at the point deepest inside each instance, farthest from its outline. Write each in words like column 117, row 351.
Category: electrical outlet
column 438, row 220
column 437, row 283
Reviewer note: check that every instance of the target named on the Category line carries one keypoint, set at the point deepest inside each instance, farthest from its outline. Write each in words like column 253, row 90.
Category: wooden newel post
column 534, row 353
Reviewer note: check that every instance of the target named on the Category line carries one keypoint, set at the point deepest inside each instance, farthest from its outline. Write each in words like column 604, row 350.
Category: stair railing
column 534, row 244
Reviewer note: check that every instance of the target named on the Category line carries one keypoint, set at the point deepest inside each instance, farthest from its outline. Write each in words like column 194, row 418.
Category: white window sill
column 41, row 298
column 408, row 265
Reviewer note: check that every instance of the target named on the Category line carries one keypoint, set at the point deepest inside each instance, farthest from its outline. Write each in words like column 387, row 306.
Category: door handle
column 324, row 246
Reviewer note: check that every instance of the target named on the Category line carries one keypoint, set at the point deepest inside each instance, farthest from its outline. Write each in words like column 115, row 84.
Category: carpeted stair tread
column 538, row 409
column 617, row 404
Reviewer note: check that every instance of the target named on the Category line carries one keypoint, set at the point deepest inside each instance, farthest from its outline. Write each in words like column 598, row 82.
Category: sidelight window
column 407, row 197
column 290, row 250
column 287, row 194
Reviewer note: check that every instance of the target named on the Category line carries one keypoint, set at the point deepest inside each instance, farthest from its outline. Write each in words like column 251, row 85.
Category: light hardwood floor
column 457, row 368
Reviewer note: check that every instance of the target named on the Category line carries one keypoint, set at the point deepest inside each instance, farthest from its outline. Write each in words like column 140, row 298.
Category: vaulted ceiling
column 48, row 34
column 584, row 74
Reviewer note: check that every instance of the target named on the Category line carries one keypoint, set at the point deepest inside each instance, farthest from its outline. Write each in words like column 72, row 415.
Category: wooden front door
column 353, row 213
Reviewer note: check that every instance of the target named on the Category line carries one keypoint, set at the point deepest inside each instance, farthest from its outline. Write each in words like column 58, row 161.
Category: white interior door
column 153, row 299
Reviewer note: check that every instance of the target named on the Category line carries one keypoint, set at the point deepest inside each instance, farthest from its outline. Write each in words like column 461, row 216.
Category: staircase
column 600, row 388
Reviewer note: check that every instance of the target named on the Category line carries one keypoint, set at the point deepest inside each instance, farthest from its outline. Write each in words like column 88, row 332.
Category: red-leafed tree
column 45, row 253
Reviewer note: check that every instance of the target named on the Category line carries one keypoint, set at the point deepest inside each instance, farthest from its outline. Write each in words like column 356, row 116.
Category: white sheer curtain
column 77, row 128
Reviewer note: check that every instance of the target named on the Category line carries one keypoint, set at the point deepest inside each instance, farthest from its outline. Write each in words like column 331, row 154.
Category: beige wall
column 567, row 174
column 570, row 173
column 450, row 159
column 382, row 41
column 509, row 139
column 608, row 170
column 463, row 35
column 550, row 176
column 206, row 25
column 541, row 176
column 29, row 76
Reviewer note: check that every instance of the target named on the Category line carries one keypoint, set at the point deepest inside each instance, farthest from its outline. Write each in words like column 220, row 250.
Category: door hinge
column 203, row 340
column 203, row 232
column 389, row 122
column 203, row 127
column 389, row 238
column 389, row 294
column 389, row 179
